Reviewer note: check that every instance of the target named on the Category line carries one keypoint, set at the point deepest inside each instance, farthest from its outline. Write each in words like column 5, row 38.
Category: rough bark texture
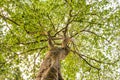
column 50, row 67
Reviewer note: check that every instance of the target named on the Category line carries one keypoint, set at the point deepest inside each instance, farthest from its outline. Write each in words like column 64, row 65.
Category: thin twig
column 98, row 61
column 59, row 31
column 84, row 30
column 78, row 32
column 68, row 22
column 95, row 34
column 51, row 23
column 33, row 49
column 9, row 20
column 13, row 33
column 85, row 60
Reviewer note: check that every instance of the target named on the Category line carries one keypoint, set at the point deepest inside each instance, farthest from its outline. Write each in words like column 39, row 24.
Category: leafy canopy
column 93, row 24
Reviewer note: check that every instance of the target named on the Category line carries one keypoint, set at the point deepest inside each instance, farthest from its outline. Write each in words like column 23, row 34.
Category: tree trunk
column 50, row 67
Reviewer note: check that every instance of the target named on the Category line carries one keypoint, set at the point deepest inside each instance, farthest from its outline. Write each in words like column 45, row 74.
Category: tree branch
column 9, row 20
column 78, row 32
column 2, row 64
column 51, row 22
column 68, row 23
column 98, row 60
column 95, row 34
column 84, row 30
column 33, row 49
column 13, row 33
column 58, row 32
column 27, row 43
column 85, row 60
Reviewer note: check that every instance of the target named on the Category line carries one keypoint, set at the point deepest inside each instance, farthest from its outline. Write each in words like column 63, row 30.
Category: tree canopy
column 94, row 26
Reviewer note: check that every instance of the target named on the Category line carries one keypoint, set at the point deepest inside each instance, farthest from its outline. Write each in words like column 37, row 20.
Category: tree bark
column 50, row 67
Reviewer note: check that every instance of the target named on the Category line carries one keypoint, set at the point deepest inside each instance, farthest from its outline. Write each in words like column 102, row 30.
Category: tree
column 94, row 27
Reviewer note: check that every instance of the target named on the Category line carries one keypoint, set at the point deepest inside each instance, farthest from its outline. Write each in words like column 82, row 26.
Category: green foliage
column 95, row 27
